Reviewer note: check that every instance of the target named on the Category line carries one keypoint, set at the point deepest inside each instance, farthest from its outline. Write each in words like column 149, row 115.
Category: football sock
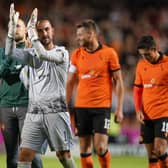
column 163, row 161
column 86, row 160
column 105, row 159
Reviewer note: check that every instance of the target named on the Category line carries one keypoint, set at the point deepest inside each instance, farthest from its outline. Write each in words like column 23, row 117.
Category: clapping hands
column 13, row 19
column 31, row 26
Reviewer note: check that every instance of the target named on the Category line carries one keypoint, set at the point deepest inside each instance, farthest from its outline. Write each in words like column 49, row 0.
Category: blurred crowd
column 121, row 24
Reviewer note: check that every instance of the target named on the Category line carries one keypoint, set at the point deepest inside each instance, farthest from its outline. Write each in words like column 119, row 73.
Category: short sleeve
column 73, row 58
column 73, row 62
column 138, row 79
column 114, row 60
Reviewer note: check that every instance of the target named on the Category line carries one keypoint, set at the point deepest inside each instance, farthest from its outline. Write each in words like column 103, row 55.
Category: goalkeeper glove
column 31, row 26
column 13, row 19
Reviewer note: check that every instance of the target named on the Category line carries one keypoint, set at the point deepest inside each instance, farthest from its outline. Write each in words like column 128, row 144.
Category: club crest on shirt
column 152, row 81
column 91, row 72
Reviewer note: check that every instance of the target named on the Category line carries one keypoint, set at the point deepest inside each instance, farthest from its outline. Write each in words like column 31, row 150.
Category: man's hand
column 13, row 19
column 140, row 117
column 118, row 117
column 31, row 26
column 2, row 126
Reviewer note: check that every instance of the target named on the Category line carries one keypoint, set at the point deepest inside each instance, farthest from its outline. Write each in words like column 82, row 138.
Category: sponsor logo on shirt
column 147, row 85
column 91, row 74
column 151, row 84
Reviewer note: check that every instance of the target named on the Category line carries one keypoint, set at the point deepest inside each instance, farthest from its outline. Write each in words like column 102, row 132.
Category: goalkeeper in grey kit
column 47, row 116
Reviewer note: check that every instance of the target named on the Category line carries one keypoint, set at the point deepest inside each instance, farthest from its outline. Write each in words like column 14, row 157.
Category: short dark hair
column 44, row 20
column 146, row 42
column 88, row 24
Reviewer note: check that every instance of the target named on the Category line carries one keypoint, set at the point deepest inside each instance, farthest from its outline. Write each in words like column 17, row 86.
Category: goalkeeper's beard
column 46, row 41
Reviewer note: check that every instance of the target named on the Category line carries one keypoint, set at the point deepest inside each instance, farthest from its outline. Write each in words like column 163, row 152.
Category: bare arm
column 70, row 86
column 119, row 90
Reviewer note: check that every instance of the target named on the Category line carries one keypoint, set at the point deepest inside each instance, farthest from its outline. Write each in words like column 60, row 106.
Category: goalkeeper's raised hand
column 31, row 26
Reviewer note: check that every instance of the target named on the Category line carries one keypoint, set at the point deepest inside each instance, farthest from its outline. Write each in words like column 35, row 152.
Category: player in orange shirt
column 96, row 67
column 151, row 92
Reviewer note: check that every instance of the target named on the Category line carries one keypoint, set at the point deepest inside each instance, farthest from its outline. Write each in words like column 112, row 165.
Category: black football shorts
column 92, row 120
column 154, row 128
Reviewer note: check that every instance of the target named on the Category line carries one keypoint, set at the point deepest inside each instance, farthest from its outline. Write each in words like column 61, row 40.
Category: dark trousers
column 12, row 120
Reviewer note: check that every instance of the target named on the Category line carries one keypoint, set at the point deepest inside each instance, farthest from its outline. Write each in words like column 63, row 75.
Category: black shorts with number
column 92, row 120
column 154, row 128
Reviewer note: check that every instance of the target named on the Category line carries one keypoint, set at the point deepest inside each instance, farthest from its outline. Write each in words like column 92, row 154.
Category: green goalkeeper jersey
column 12, row 91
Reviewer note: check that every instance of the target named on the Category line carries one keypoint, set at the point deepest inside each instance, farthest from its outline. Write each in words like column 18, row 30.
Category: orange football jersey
column 154, row 79
column 94, row 75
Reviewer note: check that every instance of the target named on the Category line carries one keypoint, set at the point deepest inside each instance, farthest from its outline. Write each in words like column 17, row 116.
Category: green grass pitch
column 116, row 162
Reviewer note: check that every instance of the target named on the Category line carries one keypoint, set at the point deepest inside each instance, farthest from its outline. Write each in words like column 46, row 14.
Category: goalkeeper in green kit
column 13, row 97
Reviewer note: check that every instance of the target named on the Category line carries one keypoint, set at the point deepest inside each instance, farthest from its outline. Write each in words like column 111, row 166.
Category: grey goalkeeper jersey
column 47, row 78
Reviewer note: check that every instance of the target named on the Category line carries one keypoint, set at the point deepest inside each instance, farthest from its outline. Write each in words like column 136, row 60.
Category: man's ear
column 53, row 30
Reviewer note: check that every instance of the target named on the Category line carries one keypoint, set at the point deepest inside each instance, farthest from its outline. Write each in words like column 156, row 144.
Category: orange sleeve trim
column 137, row 95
